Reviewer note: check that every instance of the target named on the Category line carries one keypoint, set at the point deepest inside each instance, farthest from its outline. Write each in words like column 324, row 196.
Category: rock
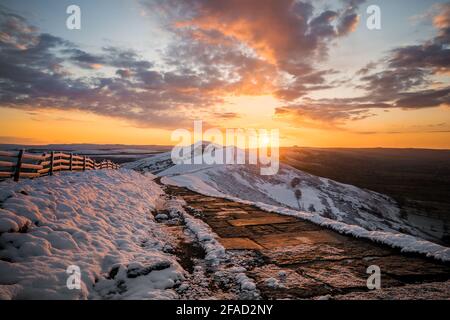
column 161, row 217
column 135, row 271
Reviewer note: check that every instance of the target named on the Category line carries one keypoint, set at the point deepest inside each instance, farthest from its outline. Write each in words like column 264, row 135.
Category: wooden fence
column 21, row 164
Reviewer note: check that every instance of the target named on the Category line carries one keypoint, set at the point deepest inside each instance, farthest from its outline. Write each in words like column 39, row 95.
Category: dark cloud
column 124, row 59
column 327, row 112
column 14, row 30
column 124, row 73
column 349, row 18
column 434, row 56
column 389, row 84
column 424, row 99
column 226, row 115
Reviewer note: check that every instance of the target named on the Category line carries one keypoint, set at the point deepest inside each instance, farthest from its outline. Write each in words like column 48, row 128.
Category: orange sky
column 312, row 70
column 382, row 130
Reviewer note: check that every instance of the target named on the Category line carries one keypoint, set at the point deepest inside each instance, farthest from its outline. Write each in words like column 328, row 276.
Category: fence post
column 84, row 163
column 18, row 165
column 52, row 160
column 40, row 163
column 71, row 160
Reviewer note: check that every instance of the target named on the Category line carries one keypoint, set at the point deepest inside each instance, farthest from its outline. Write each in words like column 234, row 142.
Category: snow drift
column 100, row 221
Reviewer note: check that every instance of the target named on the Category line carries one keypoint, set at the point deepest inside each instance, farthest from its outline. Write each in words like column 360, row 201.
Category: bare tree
column 298, row 196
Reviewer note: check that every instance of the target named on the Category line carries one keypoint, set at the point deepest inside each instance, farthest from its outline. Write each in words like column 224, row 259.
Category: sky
column 137, row 70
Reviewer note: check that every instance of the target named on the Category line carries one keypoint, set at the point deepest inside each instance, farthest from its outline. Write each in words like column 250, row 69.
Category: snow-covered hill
column 153, row 164
column 289, row 188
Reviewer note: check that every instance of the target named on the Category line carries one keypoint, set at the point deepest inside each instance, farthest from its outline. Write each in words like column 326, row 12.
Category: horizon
column 172, row 145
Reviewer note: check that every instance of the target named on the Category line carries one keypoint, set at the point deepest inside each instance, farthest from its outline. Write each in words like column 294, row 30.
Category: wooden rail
column 22, row 164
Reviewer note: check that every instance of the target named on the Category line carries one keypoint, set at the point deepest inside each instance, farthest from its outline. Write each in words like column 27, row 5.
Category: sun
column 264, row 141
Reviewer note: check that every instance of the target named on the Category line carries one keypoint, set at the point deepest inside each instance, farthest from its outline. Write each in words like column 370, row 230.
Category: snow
column 273, row 283
column 227, row 271
column 215, row 252
column 154, row 163
column 349, row 210
column 342, row 207
column 216, row 257
column 245, row 282
column 100, row 221
column 111, row 224
column 327, row 198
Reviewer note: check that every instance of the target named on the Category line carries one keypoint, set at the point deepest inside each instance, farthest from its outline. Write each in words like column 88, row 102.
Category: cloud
column 442, row 19
column 41, row 73
column 295, row 33
column 226, row 115
column 15, row 31
column 433, row 56
column 403, row 79
column 349, row 18
column 329, row 114
column 424, row 99
column 407, row 76
column 220, row 48
column 282, row 39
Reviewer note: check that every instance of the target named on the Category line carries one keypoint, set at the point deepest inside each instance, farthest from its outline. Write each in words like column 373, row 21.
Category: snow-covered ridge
column 290, row 188
column 346, row 208
column 100, row 221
